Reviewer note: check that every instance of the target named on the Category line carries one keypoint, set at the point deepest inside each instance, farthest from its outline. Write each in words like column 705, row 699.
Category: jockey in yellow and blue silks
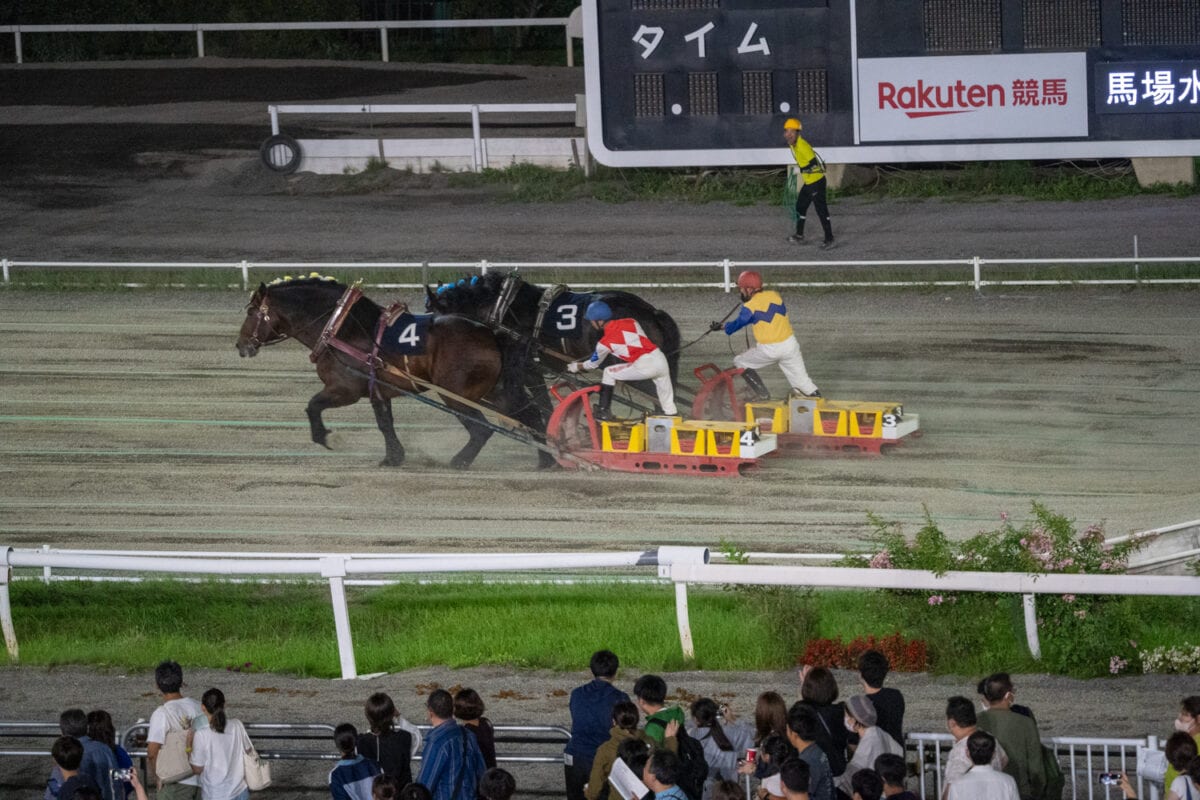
column 764, row 311
column 812, row 185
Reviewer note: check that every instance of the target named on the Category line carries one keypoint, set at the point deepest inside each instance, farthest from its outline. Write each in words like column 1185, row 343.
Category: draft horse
column 458, row 355
column 550, row 317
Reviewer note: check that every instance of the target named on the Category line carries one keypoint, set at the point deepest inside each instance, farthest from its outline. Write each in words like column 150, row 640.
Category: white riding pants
column 786, row 354
column 650, row 367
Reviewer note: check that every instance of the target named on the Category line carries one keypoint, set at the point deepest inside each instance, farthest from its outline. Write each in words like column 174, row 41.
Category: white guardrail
column 726, row 270
column 680, row 565
column 383, row 26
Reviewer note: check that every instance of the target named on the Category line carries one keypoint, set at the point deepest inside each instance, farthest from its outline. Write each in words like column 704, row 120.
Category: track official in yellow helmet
column 812, row 184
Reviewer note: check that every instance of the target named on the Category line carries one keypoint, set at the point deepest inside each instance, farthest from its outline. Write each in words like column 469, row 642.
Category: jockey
column 776, row 344
column 625, row 339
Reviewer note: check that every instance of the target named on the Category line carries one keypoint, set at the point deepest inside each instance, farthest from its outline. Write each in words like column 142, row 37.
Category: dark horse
column 551, row 318
column 459, row 355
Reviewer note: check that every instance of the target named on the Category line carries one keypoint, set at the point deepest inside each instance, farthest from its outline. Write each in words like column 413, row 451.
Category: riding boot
column 755, row 382
column 604, row 403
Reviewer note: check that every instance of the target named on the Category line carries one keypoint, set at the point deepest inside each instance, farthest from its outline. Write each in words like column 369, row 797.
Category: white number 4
column 409, row 335
column 748, row 438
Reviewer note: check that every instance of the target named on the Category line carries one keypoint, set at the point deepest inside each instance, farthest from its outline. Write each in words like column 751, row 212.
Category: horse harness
column 372, row 360
column 262, row 315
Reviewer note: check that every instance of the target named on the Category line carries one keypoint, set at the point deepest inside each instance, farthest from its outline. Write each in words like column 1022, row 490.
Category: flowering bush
column 1080, row 635
column 904, row 655
column 1183, row 660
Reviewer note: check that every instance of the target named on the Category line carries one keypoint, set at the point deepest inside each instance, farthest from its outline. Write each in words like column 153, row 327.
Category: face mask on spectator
column 1181, row 725
column 850, row 724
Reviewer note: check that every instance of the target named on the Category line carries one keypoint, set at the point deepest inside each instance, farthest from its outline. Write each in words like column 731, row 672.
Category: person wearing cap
column 812, row 185
column 641, row 359
column 775, row 343
column 872, row 741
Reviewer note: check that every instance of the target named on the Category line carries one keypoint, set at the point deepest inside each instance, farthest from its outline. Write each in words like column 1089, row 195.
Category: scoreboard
column 710, row 82
column 713, row 79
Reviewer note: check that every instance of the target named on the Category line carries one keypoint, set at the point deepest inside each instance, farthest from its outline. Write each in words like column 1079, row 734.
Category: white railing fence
column 383, row 26
column 681, row 565
column 724, row 270
column 334, row 568
column 1081, row 758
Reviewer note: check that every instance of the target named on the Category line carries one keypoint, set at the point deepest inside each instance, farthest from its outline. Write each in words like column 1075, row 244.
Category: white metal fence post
column 274, row 112
column 46, row 570
column 10, row 635
column 199, row 42
column 335, row 570
column 17, row 45
column 1031, row 626
column 727, row 269
column 245, row 275
column 685, row 625
column 570, row 46
column 383, row 44
column 977, row 267
column 4, row 264
column 477, row 139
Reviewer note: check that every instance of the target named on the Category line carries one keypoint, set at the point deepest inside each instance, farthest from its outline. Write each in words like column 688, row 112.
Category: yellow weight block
column 829, row 421
column 770, row 416
column 687, row 439
column 623, row 437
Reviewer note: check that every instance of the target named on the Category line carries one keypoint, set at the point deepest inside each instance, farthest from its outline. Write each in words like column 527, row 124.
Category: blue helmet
column 598, row 311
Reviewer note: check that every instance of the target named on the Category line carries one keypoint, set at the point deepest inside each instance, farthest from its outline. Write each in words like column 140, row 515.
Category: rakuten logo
column 932, row 100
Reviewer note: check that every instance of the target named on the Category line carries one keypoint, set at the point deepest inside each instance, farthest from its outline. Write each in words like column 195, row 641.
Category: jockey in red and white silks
column 642, row 359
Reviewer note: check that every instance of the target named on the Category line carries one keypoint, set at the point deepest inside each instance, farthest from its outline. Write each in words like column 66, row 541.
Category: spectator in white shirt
column 982, row 782
column 961, row 722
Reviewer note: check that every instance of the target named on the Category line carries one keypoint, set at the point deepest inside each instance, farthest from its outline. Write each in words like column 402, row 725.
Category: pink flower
column 1081, row 613
column 1068, row 598
column 935, row 599
column 1116, row 664
column 1004, row 518
column 882, row 560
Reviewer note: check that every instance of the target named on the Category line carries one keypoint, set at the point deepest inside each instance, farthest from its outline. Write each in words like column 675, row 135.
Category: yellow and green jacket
column 806, row 157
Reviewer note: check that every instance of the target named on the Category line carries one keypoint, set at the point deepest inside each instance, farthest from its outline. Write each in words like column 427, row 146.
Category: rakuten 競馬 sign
column 1027, row 96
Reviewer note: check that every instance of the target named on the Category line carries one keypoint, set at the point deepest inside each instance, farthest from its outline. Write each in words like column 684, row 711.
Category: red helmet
column 749, row 280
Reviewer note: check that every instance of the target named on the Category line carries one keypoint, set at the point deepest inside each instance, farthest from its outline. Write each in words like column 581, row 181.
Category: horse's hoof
column 392, row 462
column 460, row 463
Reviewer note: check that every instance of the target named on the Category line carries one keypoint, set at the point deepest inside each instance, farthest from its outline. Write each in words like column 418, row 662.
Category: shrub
column 1082, row 636
column 1183, row 660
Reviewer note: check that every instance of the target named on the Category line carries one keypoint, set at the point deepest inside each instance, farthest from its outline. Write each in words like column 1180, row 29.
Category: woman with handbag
column 219, row 752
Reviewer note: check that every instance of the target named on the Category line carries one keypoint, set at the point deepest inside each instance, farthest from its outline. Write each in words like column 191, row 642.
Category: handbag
column 257, row 770
column 172, row 764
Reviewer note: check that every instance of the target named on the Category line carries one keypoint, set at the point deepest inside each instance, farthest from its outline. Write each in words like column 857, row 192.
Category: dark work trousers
column 813, row 193
column 577, row 776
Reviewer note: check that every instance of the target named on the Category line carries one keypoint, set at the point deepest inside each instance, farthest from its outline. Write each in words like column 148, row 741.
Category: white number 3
column 567, row 317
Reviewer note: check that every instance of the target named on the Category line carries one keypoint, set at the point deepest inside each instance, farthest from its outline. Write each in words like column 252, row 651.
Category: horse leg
column 394, row 452
column 320, row 401
column 479, row 435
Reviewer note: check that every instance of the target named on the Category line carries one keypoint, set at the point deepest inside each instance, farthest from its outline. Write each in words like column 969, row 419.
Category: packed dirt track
column 130, row 421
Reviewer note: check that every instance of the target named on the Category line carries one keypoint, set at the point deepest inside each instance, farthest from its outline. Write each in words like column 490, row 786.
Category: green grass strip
column 288, row 627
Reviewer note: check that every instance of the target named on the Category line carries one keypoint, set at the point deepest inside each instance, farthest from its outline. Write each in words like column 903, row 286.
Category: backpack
column 693, row 766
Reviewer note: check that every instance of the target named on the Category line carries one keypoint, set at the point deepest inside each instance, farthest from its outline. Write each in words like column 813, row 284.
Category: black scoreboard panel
column 711, row 81
column 719, row 74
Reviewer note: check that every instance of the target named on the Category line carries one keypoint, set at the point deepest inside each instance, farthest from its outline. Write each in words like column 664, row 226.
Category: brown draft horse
column 459, row 355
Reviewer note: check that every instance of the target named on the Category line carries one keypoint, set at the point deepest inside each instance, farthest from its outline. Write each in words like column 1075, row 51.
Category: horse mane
column 311, row 279
column 364, row 313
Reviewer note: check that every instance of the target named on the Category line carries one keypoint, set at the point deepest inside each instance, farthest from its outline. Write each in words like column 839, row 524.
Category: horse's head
column 259, row 328
column 433, row 300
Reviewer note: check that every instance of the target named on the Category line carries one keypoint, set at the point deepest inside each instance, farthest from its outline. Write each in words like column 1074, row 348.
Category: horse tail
column 671, row 342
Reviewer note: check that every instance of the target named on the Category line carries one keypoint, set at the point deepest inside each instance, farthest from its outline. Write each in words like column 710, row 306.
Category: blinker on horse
column 448, row 352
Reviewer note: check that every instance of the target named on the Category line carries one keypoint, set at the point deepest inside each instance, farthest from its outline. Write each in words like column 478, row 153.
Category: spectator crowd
column 821, row 747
